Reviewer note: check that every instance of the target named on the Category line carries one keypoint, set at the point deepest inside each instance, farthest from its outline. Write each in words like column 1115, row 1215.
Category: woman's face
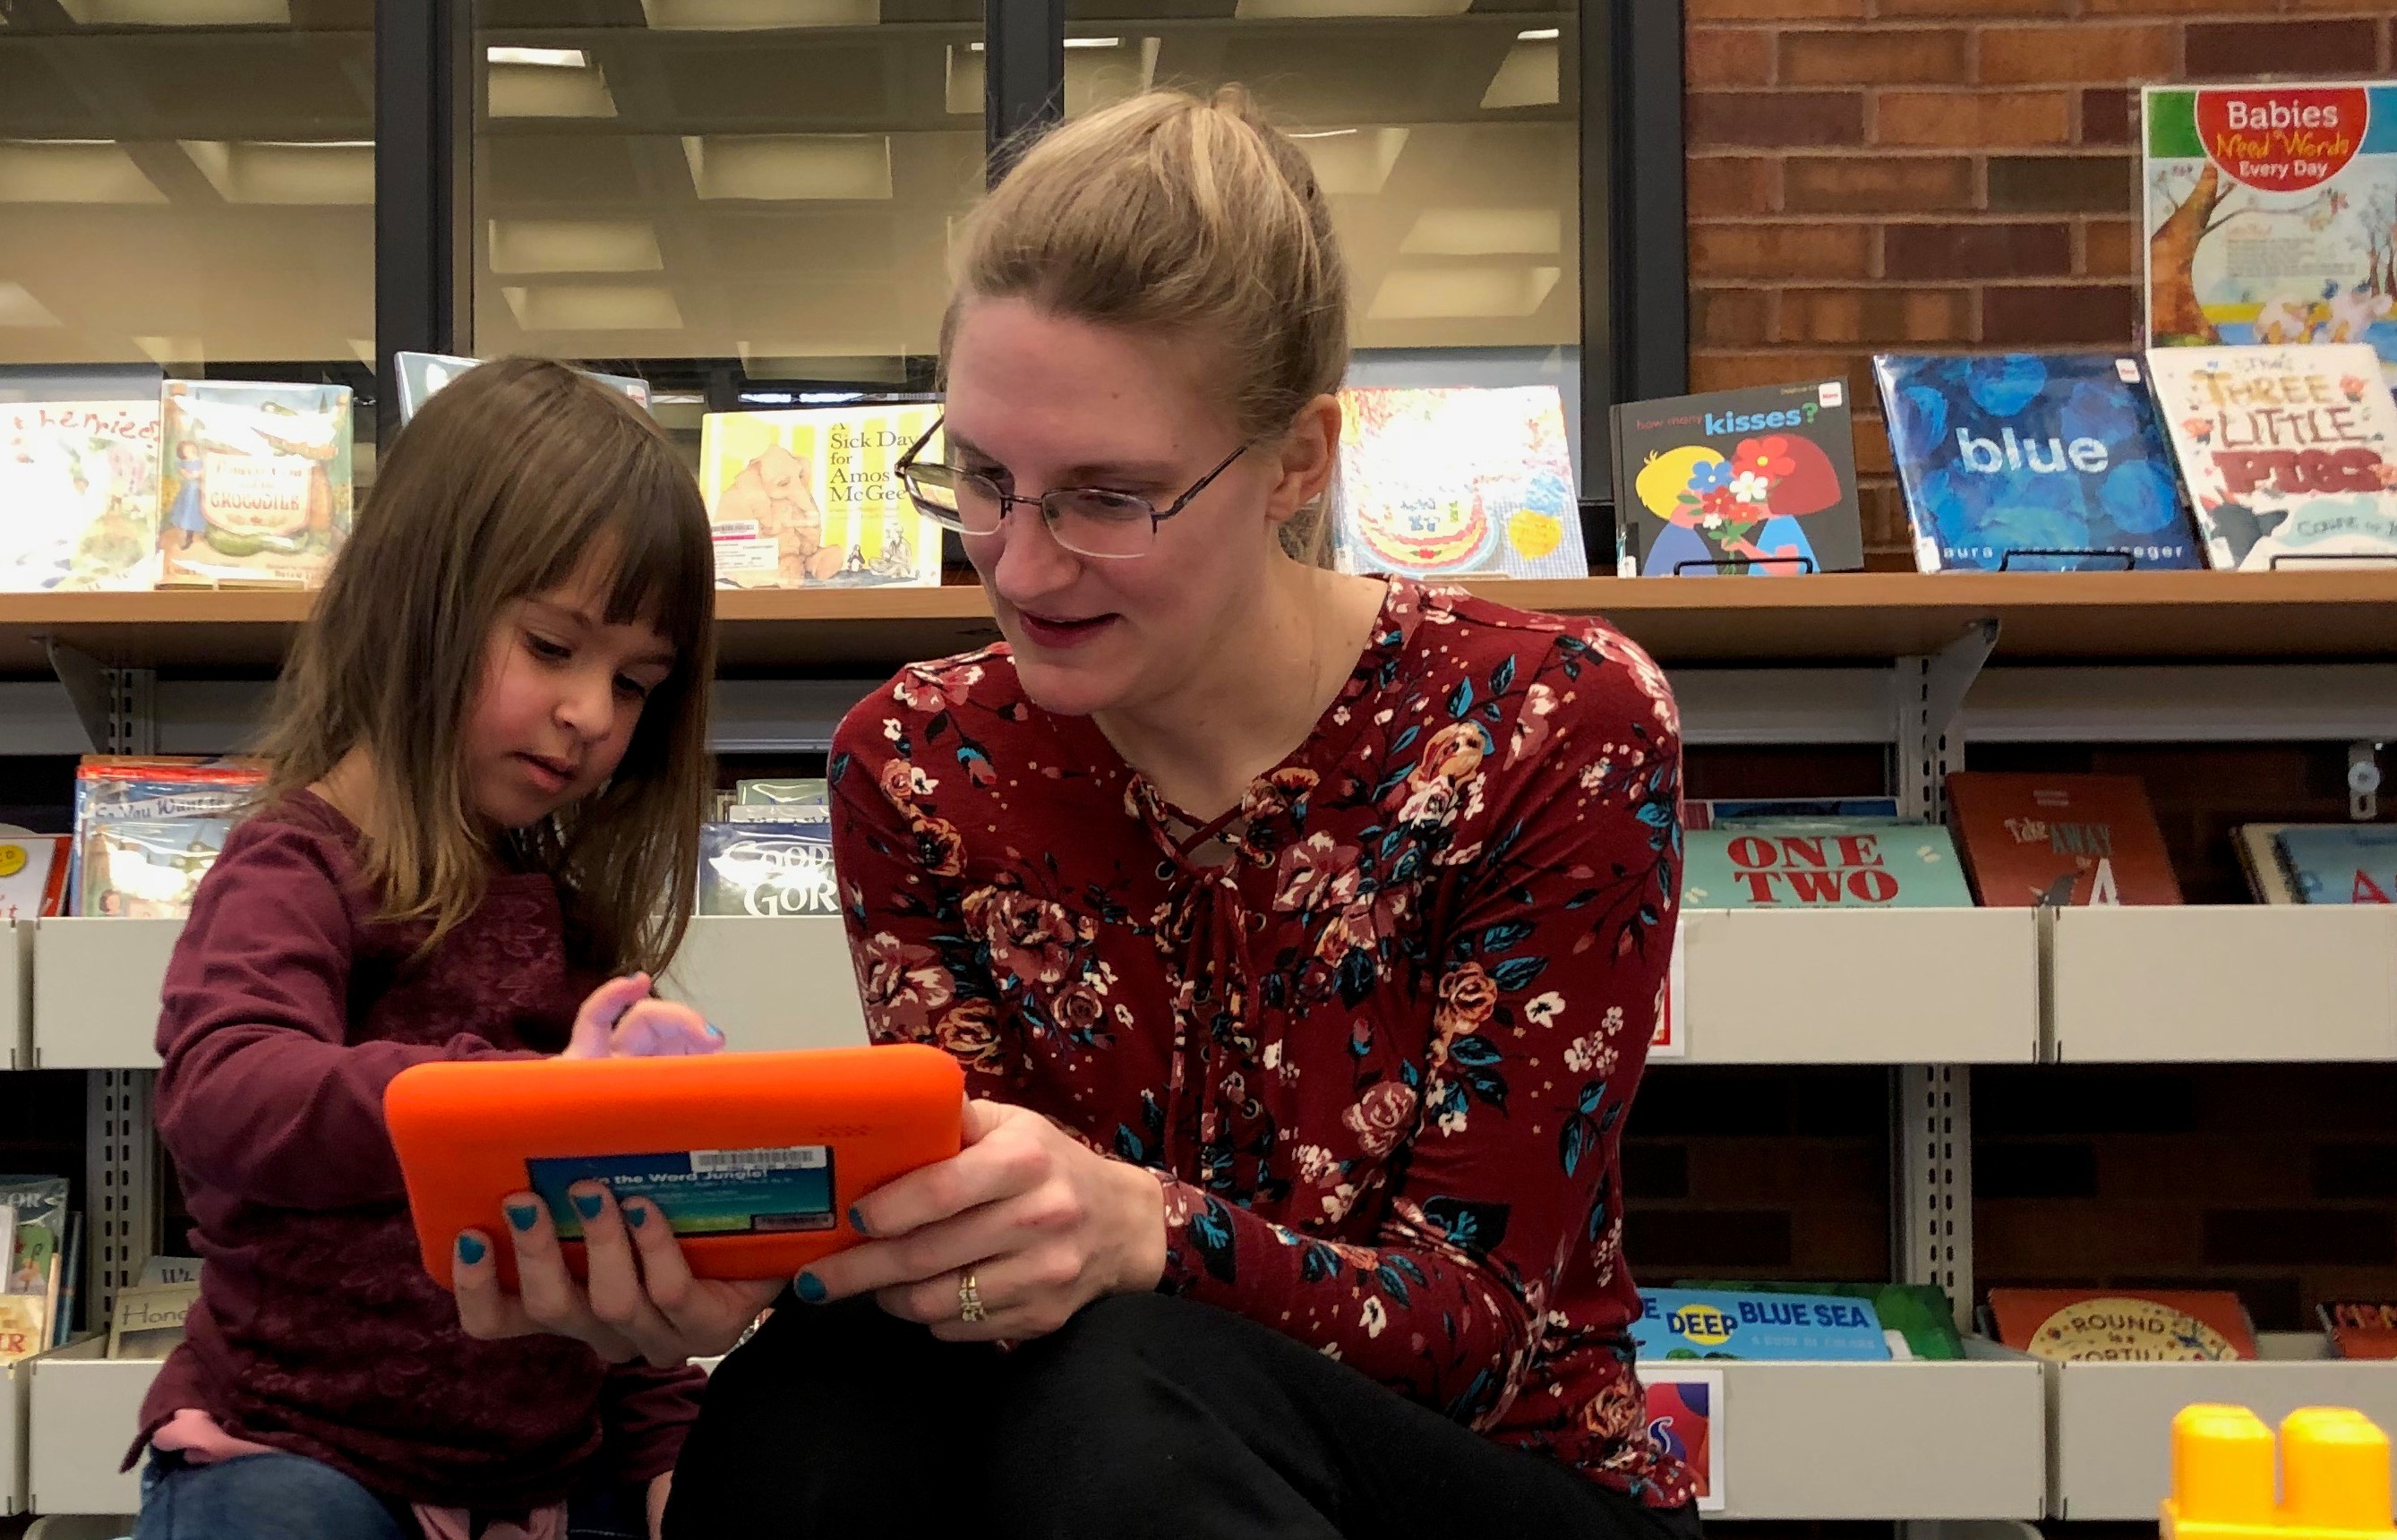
column 1038, row 402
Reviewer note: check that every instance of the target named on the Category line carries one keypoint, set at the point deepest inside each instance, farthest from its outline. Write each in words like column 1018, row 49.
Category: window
column 199, row 196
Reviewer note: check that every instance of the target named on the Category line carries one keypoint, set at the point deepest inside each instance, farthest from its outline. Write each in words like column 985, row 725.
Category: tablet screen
column 715, row 1192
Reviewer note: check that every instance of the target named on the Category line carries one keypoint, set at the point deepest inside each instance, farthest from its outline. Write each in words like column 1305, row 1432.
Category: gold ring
column 969, row 1309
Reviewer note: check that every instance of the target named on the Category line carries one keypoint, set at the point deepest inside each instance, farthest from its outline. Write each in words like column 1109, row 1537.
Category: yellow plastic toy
column 2333, row 1476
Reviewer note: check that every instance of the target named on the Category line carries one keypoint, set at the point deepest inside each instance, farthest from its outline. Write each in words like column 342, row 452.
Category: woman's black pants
column 1146, row 1418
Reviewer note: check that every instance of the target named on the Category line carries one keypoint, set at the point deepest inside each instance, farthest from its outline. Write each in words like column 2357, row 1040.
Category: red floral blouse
column 1376, row 1032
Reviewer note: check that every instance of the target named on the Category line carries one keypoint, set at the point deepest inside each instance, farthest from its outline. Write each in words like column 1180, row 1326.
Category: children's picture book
column 2259, row 860
column 1711, row 1323
column 32, row 875
column 78, row 495
column 812, row 499
column 254, row 481
column 149, row 1320
column 2029, row 462
column 2271, row 215
column 1916, row 1317
column 2360, row 1329
column 801, row 800
column 1748, row 812
column 1795, row 865
column 773, row 870
column 1685, row 1420
column 2289, row 454
column 422, row 374
column 2338, row 863
column 148, row 829
column 2032, row 839
column 1745, row 483
column 2123, row 1325
column 33, row 1255
column 1456, row 481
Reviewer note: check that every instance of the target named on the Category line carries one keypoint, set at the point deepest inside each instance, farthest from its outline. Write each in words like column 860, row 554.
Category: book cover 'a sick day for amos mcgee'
column 2271, row 216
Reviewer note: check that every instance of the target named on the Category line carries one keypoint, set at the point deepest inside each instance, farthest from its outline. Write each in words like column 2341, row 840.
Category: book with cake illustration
column 254, row 481
column 2027, row 461
column 1745, row 483
column 78, row 495
column 1446, row 482
column 1797, row 864
column 2031, row 839
column 2289, row 454
column 2269, row 211
column 2338, row 862
column 812, row 499
column 2123, row 1325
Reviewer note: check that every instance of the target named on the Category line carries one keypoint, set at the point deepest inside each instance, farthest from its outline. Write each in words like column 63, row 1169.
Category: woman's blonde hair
column 503, row 487
column 1196, row 218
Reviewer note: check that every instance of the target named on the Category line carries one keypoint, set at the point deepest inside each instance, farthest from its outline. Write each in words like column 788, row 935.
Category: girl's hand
column 621, row 1019
column 641, row 1301
column 1043, row 1225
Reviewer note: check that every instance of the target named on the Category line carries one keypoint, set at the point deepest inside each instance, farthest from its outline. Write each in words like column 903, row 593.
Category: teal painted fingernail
column 857, row 1221
column 810, row 1288
column 587, row 1204
column 524, row 1215
column 637, row 1215
column 470, row 1251
column 716, row 1032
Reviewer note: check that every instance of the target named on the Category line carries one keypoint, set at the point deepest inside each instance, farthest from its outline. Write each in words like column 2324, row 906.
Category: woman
column 1302, row 934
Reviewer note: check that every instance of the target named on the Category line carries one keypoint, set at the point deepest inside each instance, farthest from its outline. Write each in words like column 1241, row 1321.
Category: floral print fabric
column 1375, row 1030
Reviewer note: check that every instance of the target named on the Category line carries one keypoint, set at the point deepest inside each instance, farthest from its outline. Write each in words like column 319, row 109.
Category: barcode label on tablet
column 785, row 1157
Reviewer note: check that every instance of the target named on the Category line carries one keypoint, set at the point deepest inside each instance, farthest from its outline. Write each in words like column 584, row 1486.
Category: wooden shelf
column 1839, row 617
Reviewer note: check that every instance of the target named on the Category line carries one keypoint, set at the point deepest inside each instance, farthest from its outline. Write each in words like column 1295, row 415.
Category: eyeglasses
column 1090, row 521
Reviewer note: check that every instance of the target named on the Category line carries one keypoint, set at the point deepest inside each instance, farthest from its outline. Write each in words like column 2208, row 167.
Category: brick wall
column 1878, row 175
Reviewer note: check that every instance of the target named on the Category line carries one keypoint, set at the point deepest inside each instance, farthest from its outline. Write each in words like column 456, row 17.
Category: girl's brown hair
column 503, row 486
column 1196, row 218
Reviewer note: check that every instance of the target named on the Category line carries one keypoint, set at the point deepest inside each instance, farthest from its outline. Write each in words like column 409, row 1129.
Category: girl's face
column 562, row 691
column 1039, row 402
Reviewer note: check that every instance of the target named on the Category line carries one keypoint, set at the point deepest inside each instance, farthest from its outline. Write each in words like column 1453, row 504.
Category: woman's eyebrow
column 1122, row 470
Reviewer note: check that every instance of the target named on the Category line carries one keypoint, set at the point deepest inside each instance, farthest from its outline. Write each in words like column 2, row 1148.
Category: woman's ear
column 1309, row 455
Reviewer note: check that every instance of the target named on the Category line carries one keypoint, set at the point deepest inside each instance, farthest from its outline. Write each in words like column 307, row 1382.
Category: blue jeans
column 292, row 1497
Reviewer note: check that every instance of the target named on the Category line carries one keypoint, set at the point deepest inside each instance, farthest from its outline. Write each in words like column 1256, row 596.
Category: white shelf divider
column 2113, row 1421
column 16, row 996
column 85, row 1410
column 1913, row 1441
column 96, row 985
column 1874, row 986
column 15, row 1384
column 2228, row 983
column 770, row 983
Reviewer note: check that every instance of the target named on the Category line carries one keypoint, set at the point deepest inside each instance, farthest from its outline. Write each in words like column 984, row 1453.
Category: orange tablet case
column 754, row 1158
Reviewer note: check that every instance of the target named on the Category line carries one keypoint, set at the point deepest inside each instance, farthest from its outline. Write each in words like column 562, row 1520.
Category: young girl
column 488, row 773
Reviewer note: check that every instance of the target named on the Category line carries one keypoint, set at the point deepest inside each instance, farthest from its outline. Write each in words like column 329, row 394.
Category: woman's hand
column 641, row 1301
column 621, row 1019
column 1042, row 1224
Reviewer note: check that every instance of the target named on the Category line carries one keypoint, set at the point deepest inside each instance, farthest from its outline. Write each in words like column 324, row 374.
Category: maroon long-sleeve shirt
column 288, row 1007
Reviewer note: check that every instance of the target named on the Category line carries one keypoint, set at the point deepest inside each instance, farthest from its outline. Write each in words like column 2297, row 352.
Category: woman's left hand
column 1042, row 1224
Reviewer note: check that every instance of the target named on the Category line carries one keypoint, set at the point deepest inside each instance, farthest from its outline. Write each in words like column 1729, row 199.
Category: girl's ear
column 1309, row 455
